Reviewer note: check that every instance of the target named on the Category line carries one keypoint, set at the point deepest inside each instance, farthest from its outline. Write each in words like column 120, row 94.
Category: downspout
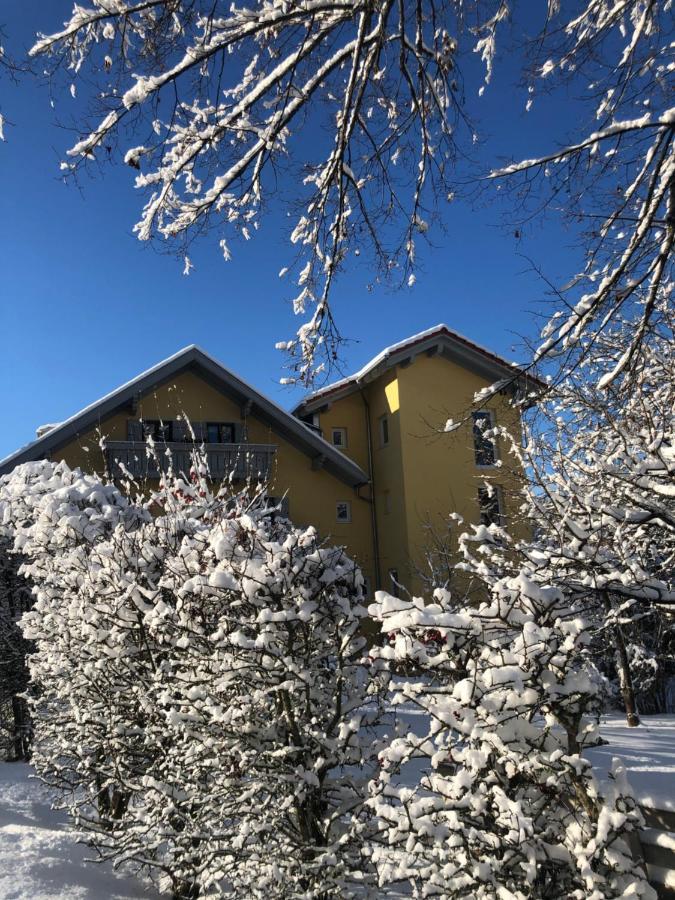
column 373, row 509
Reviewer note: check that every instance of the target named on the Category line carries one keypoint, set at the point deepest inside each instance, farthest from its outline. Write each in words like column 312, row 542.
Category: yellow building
column 367, row 460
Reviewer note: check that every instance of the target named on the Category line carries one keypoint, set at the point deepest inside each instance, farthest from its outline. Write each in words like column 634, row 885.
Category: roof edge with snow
column 441, row 340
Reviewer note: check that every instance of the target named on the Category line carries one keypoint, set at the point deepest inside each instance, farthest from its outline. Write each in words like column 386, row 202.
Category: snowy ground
column 40, row 858
column 648, row 753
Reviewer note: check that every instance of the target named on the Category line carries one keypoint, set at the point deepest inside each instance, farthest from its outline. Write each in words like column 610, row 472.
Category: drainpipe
column 373, row 509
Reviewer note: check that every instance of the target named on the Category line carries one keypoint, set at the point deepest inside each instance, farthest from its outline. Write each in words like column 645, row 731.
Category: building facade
column 367, row 460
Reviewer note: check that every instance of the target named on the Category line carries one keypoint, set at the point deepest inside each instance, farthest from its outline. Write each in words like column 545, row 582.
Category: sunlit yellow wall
column 427, row 475
column 377, row 399
column 312, row 494
column 388, row 477
column 441, row 475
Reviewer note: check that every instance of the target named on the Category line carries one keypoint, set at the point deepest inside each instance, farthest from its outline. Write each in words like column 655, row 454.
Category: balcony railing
column 239, row 461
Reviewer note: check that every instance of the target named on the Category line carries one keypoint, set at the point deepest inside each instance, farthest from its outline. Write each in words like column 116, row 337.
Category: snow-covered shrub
column 203, row 706
column 50, row 516
column 269, row 709
column 506, row 805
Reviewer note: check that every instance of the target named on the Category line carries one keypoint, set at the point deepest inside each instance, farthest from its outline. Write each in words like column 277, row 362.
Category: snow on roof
column 383, row 355
column 43, row 429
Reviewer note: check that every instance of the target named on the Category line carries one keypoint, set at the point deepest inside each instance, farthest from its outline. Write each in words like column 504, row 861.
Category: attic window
column 158, row 429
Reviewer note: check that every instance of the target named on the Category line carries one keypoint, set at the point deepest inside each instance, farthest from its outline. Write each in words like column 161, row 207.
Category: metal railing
column 241, row 462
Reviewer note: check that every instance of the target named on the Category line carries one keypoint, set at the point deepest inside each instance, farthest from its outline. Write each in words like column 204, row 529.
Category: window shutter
column 239, row 432
column 134, row 430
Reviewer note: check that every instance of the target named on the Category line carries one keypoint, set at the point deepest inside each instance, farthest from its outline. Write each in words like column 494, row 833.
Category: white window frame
column 491, row 424
column 339, row 429
column 348, row 505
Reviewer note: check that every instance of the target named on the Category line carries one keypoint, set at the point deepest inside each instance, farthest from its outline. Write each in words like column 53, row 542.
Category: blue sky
column 84, row 306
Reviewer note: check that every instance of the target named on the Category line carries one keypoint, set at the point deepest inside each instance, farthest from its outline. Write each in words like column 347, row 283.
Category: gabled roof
column 439, row 339
column 194, row 359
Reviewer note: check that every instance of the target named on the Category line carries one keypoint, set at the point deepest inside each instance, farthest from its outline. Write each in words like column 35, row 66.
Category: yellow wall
column 389, row 478
column 349, row 413
column 441, row 475
column 379, row 398
column 426, row 474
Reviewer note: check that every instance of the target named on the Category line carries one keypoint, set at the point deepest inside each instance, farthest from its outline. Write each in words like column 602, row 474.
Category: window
column 157, row 429
column 339, row 437
column 384, row 430
column 484, row 447
column 490, row 505
column 343, row 511
column 393, row 587
column 220, row 433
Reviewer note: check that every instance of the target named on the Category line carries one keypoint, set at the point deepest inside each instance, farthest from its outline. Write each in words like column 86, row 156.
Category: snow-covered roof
column 440, row 338
column 193, row 357
column 43, row 429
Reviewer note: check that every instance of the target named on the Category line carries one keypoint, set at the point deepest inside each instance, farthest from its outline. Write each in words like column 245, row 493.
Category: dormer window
column 484, row 447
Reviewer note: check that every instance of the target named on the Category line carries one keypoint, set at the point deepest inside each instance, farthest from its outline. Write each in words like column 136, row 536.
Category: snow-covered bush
column 268, row 713
column 603, row 501
column 50, row 516
column 506, row 805
column 202, row 704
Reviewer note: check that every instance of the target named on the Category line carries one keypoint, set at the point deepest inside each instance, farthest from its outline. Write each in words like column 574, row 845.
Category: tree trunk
column 623, row 668
column 21, row 730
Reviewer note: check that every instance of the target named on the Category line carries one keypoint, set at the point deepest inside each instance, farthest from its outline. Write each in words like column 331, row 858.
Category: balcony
column 242, row 462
